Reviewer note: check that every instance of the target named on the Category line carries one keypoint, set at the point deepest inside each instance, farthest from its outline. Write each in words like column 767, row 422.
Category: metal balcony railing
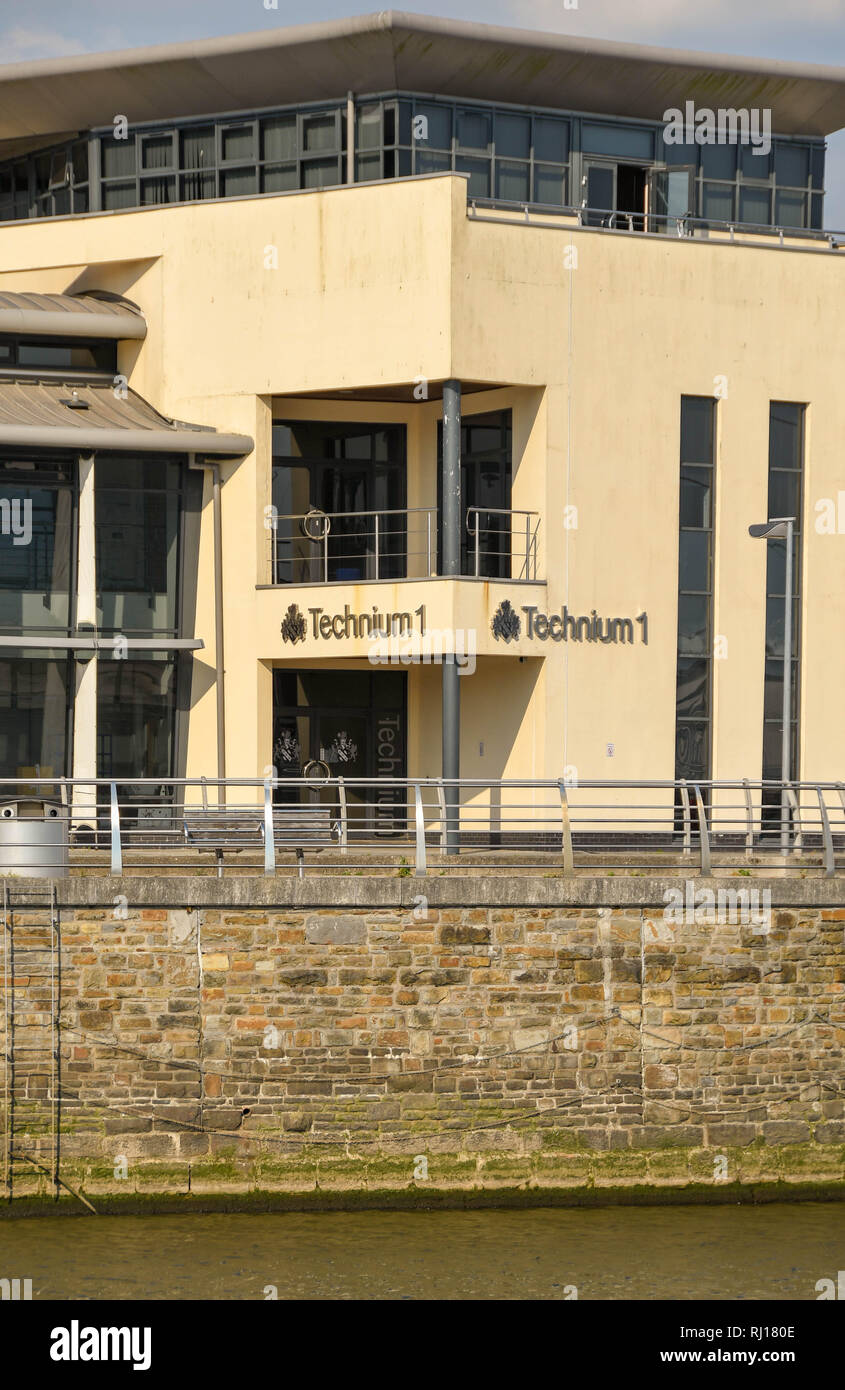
column 504, row 542
column 319, row 547
column 253, row 826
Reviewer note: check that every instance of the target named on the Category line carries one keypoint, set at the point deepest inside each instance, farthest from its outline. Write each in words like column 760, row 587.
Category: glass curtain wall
column 37, row 586
column 139, row 503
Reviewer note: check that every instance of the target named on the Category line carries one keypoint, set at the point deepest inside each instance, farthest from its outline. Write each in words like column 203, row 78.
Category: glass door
column 671, row 197
column 352, row 722
column 599, row 186
column 351, row 551
column 341, row 740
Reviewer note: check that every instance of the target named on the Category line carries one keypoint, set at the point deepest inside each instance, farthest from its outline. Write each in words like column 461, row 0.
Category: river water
column 722, row 1252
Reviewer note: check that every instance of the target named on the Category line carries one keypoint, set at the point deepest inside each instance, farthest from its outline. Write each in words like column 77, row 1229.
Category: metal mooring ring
column 315, row 515
column 306, row 773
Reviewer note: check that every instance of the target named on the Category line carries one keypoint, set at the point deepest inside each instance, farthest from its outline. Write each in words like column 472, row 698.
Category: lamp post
column 781, row 528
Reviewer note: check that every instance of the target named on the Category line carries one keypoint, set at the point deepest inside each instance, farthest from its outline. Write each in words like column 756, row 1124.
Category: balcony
column 318, row 547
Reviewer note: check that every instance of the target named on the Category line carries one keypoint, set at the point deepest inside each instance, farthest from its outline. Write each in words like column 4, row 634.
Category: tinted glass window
column 618, row 139
column 33, row 717
column 551, row 140
column 792, row 165
column 436, row 128
column 513, row 136
column 718, row 161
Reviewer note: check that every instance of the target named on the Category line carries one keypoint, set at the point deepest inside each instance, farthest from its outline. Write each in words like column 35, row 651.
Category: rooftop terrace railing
column 252, row 826
column 663, row 224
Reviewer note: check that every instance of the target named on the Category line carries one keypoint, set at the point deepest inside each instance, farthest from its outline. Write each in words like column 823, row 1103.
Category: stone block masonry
column 348, row 1039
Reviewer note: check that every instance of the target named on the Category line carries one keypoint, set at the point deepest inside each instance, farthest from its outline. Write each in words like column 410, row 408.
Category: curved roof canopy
column 71, row 316
column 392, row 50
column 84, row 414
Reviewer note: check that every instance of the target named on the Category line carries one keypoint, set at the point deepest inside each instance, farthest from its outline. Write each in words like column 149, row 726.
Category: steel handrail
column 529, row 568
column 677, row 221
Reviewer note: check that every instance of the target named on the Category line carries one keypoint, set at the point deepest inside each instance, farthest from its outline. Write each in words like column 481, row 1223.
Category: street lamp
column 781, row 528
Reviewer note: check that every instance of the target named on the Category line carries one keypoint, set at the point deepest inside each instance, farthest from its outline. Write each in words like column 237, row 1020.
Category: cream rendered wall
column 618, row 339
column 381, row 284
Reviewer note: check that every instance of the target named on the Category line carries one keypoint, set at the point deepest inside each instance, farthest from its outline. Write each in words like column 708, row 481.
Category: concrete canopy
column 395, row 51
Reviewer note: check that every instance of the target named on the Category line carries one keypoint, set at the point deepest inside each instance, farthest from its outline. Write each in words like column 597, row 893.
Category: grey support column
column 451, row 546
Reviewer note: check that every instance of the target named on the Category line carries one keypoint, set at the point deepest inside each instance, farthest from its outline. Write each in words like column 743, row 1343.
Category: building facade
column 486, row 381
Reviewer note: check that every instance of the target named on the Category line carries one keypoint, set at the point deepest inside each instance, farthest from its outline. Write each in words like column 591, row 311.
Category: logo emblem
column 343, row 750
column 506, row 625
column 293, row 625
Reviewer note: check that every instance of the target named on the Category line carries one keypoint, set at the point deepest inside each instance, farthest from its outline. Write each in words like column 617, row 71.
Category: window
column 693, row 694
column 138, row 507
column 474, row 130
column 515, row 155
column 136, row 708
column 717, row 202
column 34, row 705
column 486, row 473
column 627, row 142
column 513, row 136
column 37, row 511
column 785, row 499
column 58, row 354
column 356, row 473
column 508, row 155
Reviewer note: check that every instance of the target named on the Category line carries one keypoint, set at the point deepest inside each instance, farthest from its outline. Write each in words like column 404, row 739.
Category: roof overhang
column 93, row 415
column 392, row 50
column 70, row 316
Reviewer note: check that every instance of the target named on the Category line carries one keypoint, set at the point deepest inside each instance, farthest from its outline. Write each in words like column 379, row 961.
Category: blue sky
column 812, row 31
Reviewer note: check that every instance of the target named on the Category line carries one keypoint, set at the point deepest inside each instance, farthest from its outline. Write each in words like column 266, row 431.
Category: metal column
column 451, row 532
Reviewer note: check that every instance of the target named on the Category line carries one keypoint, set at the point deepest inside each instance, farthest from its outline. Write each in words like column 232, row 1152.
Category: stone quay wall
column 332, row 1039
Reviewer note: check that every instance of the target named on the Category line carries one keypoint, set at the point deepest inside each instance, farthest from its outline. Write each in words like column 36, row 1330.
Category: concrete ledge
column 428, row 1199
column 450, row 890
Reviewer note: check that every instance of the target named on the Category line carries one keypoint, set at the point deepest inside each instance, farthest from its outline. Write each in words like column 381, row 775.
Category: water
column 777, row 1251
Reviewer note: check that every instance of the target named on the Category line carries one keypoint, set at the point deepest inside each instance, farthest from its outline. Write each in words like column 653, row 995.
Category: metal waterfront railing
column 318, row 547
column 410, row 825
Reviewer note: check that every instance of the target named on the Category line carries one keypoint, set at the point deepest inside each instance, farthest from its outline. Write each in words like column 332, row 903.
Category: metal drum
column 33, row 838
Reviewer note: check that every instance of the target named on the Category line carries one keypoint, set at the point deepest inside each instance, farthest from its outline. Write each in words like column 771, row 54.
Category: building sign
column 390, row 762
column 295, row 627
column 507, row 626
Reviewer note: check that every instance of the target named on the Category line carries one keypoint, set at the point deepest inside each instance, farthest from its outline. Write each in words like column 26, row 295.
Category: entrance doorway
column 615, row 195
column 352, row 722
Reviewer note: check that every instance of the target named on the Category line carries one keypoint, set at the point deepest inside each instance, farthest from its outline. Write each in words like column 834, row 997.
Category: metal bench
column 297, row 827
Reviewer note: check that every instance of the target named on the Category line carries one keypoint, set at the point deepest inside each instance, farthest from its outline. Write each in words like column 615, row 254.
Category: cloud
column 21, row 45
column 720, row 25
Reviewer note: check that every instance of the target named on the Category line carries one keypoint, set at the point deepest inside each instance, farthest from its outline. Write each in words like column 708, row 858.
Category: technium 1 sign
column 507, row 626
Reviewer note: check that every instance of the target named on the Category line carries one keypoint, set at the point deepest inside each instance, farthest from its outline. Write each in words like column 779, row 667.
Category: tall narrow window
column 693, row 699
column 786, row 460
column 138, row 504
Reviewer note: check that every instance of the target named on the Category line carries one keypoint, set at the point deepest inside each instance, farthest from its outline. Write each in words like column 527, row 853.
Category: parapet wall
column 354, row 1035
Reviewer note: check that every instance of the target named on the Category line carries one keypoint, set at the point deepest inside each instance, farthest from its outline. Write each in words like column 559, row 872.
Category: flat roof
column 391, row 51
